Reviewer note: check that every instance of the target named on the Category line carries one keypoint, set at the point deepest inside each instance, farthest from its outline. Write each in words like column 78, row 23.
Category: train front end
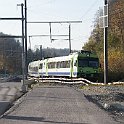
column 88, row 65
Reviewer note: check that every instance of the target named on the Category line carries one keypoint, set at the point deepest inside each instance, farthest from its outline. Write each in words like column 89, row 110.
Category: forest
column 115, row 41
column 11, row 55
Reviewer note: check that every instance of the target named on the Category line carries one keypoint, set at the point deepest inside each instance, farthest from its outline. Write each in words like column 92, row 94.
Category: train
column 76, row 65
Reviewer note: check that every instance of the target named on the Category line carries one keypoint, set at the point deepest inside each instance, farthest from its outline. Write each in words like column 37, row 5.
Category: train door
column 46, row 67
column 71, row 67
column 75, row 67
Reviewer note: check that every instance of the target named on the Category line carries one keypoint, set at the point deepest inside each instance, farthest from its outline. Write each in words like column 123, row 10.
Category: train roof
column 80, row 54
column 89, row 54
column 34, row 63
column 63, row 58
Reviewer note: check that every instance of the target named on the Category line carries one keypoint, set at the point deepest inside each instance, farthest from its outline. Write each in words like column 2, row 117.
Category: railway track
column 73, row 81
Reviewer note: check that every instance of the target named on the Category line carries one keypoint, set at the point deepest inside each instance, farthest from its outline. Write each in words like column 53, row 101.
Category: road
column 11, row 84
column 9, row 91
column 56, row 105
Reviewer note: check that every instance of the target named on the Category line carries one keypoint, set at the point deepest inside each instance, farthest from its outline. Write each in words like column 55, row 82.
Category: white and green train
column 78, row 64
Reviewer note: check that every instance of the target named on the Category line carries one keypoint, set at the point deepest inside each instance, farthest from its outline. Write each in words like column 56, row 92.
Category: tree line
column 11, row 55
column 115, row 40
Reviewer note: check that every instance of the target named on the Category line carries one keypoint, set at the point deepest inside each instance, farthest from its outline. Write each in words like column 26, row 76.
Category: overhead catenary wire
column 85, row 14
column 89, row 9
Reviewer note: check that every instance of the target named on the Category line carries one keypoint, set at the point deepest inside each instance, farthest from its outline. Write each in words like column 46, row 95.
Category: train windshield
column 88, row 62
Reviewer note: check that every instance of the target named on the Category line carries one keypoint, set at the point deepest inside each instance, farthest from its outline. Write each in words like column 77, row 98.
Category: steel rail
column 63, row 80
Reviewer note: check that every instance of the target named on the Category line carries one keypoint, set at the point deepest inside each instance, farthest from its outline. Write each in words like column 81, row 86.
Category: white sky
column 52, row 10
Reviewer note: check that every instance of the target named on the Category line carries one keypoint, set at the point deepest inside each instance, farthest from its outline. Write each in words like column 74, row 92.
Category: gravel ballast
column 108, row 97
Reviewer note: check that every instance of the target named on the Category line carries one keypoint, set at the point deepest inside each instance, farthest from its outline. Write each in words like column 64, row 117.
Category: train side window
column 52, row 65
column 67, row 64
column 75, row 63
column 61, row 64
column 64, row 64
column 35, row 69
column 41, row 66
column 29, row 67
column 48, row 65
column 58, row 65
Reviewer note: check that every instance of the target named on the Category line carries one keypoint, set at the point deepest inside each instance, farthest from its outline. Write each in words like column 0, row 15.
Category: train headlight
column 95, row 71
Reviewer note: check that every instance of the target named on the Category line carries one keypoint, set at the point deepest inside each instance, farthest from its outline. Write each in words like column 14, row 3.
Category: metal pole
column 70, row 37
column 57, row 22
column 30, row 47
column 69, row 22
column 30, row 42
column 41, row 52
column 4, row 58
column 26, row 64
column 48, row 35
column 105, row 52
column 50, row 32
column 23, row 55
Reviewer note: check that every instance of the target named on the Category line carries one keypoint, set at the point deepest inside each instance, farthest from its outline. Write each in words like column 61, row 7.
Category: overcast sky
column 52, row 10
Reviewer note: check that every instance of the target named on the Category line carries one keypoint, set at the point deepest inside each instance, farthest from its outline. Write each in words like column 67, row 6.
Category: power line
column 89, row 9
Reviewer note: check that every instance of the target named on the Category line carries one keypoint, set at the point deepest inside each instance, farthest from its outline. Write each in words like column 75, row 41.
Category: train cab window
column 88, row 62
column 83, row 63
column 93, row 64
